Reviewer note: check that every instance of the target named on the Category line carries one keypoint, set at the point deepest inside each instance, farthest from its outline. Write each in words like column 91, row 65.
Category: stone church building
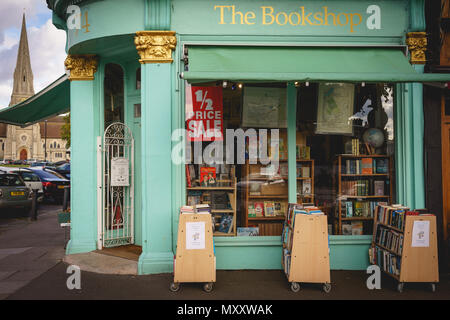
column 41, row 141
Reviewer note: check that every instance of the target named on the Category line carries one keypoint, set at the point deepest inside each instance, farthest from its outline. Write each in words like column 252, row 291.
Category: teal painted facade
column 160, row 184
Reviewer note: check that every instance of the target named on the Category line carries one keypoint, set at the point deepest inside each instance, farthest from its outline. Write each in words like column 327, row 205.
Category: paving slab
column 9, row 287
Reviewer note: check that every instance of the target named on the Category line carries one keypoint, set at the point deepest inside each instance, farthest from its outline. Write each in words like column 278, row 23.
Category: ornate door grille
column 118, row 201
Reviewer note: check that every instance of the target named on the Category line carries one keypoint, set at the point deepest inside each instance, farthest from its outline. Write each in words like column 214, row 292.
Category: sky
column 47, row 44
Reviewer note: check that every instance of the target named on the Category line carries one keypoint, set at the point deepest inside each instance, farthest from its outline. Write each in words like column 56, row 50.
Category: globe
column 374, row 137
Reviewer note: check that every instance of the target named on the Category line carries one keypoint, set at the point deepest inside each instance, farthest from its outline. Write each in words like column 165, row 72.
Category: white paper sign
column 421, row 234
column 120, row 171
column 195, row 235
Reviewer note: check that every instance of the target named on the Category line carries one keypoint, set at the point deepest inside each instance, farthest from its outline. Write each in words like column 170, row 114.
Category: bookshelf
column 262, row 189
column 221, row 198
column 363, row 182
column 305, row 256
column 305, row 181
column 399, row 252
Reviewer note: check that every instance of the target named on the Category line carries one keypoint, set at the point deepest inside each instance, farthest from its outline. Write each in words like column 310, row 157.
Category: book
column 347, row 229
column 381, row 166
column 357, row 228
column 259, row 209
column 226, row 223
column 207, row 176
column 378, row 187
column 366, row 166
column 306, row 187
column 251, row 211
column 247, row 231
column 269, row 209
column 306, row 172
column 188, row 176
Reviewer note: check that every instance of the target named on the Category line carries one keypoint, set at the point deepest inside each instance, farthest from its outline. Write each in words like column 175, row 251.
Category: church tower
column 22, row 143
column 23, row 75
column 18, row 143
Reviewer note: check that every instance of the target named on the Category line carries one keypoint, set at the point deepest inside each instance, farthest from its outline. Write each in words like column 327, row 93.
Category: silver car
column 32, row 181
column 14, row 193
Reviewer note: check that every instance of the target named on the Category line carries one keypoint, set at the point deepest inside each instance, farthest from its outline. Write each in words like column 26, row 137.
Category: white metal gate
column 117, row 186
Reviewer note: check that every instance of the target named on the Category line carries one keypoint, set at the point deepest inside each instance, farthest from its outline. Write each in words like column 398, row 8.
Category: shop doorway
column 118, row 186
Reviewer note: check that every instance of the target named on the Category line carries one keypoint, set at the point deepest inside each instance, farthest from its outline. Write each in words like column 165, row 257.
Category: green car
column 14, row 193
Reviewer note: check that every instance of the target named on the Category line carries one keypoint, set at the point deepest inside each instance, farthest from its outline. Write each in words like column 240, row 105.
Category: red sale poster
column 205, row 121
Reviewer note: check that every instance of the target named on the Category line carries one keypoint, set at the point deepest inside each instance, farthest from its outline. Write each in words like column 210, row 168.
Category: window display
column 238, row 162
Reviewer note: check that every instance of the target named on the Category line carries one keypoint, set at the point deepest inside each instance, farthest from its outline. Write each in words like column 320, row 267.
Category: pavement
column 32, row 267
column 28, row 248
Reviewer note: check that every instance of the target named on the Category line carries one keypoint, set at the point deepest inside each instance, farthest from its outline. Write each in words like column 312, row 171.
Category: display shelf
column 351, row 179
column 411, row 262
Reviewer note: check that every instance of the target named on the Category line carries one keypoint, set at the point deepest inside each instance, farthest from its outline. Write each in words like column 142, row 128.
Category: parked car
column 32, row 180
column 13, row 192
column 53, row 183
column 64, row 170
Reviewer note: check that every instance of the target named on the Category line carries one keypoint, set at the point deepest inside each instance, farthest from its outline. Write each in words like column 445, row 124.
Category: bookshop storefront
column 247, row 106
column 329, row 102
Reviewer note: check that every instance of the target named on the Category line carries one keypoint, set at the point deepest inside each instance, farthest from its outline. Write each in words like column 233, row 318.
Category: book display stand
column 404, row 246
column 195, row 260
column 305, row 250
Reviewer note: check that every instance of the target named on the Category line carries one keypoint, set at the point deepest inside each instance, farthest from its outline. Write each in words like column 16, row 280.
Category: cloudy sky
column 47, row 44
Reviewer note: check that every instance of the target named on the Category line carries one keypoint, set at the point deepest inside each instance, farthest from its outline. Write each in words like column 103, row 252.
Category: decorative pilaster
column 84, row 109
column 81, row 67
column 155, row 50
column 417, row 45
column 155, row 46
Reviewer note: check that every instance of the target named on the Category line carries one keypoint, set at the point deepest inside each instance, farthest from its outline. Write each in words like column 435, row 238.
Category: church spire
column 23, row 75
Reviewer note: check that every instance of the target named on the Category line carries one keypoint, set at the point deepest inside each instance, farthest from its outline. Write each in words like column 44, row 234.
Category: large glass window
column 237, row 155
column 348, row 131
column 114, row 94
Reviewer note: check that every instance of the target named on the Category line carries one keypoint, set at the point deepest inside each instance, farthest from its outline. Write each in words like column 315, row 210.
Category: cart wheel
column 208, row 287
column 327, row 287
column 400, row 287
column 295, row 286
column 174, row 287
column 433, row 287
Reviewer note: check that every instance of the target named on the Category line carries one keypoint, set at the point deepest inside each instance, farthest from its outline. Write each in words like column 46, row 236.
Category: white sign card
column 120, row 172
column 195, row 235
column 421, row 234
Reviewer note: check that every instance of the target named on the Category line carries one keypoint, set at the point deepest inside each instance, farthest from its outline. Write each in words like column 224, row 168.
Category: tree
column 65, row 130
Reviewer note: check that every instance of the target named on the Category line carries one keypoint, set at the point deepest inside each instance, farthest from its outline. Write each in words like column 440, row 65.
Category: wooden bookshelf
column 359, row 188
column 270, row 190
column 393, row 250
column 306, row 256
column 305, row 198
column 230, row 187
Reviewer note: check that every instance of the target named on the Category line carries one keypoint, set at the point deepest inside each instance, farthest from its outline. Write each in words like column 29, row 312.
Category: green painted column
column 292, row 141
column 409, row 133
column 156, row 122
column 83, row 154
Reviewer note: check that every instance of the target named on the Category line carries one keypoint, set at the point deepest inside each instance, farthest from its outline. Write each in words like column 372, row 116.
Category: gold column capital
column 417, row 45
column 81, row 67
column 155, row 46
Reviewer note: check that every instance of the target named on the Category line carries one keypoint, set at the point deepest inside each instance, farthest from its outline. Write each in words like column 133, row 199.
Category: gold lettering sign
column 267, row 15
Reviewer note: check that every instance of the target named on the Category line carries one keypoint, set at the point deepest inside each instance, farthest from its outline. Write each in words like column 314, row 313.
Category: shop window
column 348, row 130
column 344, row 153
column 236, row 155
column 113, row 94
